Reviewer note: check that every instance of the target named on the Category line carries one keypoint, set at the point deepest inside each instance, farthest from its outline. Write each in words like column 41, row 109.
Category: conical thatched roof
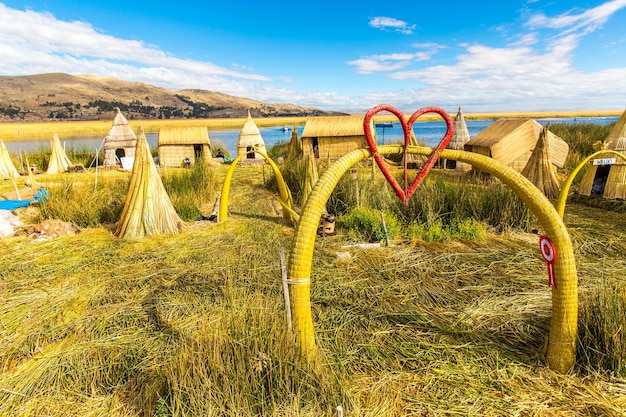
column 7, row 169
column 59, row 162
column 120, row 130
column 539, row 169
column 617, row 136
column 148, row 210
column 461, row 134
column 293, row 152
column 250, row 136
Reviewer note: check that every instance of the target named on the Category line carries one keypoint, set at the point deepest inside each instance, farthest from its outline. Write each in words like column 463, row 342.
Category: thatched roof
column 617, row 136
column 184, row 136
column 461, row 133
column 147, row 210
column 59, row 162
column 333, row 126
column 508, row 139
column 7, row 169
column 539, row 169
column 250, row 135
column 120, row 130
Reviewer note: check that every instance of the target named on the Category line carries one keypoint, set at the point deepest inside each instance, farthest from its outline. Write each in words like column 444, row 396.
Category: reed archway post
column 286, row 200
column 562, row 197
column 564, row 322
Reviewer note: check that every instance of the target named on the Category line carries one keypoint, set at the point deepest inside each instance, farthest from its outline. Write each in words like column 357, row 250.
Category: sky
column 486, row 56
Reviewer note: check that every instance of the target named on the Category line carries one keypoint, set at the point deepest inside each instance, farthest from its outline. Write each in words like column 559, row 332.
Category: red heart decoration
column 408, row 190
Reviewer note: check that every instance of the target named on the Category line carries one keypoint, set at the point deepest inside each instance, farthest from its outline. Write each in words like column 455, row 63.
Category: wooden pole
column 283, row 270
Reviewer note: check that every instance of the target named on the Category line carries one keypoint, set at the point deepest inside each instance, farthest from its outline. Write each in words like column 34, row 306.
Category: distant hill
column 88, row 97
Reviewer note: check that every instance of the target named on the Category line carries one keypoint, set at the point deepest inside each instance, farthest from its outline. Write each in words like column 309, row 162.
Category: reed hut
column 606, row 175
column 332, row 137
column 147, row 210
column 250, row 139
column 120, row 142
column 7, row 169
column 511, row 142
column 59, row 162
column 177, row 143
column 539, row 170
column 459, row 139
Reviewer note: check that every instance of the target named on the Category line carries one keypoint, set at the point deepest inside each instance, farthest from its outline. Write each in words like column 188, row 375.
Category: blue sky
column 486, row 56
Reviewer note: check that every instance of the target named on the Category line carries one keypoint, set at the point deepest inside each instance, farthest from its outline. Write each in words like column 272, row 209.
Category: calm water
column 428, row 132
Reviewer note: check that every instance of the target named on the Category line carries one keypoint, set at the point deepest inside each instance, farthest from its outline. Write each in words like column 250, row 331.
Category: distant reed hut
column 120, row 142
column 511, row 142
column 539, row 169
column 177, row 143
column 458, row 141
column 332, row 137
column 250, row 139
column 606, row 174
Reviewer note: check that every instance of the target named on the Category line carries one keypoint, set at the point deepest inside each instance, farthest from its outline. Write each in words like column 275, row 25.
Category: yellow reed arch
column 562, row 198
column 286, row 200
column 563, row 326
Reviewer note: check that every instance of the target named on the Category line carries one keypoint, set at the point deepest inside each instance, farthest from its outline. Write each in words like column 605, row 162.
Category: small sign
column 604, row 161
column 549, row 255
column 127, row 163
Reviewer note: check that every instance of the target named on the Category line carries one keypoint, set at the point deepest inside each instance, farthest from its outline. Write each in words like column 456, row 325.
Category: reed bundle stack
column 147, row 210
column 294, row 150
column 59, row 162
column 7, row 169
column 539, row 170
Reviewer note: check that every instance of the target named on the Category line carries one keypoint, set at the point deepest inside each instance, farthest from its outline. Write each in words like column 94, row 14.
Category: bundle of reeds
column 148, row 209
column 59, row 162
column 539, row 168
column 7, row 169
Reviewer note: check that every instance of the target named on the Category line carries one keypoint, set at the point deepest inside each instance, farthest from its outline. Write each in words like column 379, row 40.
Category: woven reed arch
column 563, row 326
column 562, row 198
column 286, row 200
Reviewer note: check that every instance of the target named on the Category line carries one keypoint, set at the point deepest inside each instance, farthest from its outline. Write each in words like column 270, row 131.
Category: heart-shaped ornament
column 405, row 193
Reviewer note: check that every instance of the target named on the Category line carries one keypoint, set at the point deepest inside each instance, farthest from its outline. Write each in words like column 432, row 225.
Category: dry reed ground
column 194, row 324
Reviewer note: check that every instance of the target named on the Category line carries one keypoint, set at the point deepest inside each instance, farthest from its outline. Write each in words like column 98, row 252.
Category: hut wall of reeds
column 511, row 141
column 7, row 169
column 606, row 174
column 120, row 142
column 250, row 139
column 177, row 143
column 332, row 137
column 59, row 162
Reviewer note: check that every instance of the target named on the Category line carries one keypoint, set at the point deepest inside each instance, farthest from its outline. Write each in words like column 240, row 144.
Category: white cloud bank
column 515, row 77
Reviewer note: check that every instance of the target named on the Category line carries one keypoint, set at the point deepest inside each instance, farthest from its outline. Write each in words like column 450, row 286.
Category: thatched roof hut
column 333, row 136
column 539, row 169
column 606, row 174
column 177, row 143
column 59, row 162
column 511, row 141
column 250, row 139
column 120, row 142
column 147, row 210
column 7, row 169
column 458, row 141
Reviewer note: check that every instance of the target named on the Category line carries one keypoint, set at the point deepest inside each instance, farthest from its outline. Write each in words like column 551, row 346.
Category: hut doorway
column 119, row 154
column 251, row 154
column 599, row 181
column 316, row 148
column 197, row 151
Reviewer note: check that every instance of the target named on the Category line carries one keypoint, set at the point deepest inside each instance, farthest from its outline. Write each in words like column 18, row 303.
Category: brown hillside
column 88, row 97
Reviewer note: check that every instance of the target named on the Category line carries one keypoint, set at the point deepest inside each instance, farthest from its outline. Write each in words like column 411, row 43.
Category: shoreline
column 35, row 131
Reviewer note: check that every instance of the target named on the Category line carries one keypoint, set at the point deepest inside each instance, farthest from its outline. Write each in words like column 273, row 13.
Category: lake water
column 430, row 133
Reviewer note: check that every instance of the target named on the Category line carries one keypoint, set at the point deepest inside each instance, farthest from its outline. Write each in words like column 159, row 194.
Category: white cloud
column 394, row 61
column 34, row 42
column 389, row 23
